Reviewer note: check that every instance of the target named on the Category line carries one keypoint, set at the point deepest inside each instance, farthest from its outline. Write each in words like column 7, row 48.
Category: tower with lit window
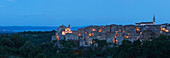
column 154, row 19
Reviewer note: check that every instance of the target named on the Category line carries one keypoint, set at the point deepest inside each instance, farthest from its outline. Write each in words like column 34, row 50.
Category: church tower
column 69, row 26
column 154, row 19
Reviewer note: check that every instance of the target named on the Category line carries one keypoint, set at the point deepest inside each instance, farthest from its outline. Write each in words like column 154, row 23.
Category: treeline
column 23, row 45
column 27, row 44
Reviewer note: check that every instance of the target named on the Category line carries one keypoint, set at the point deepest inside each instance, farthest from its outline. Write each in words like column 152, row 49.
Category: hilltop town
column 143, row 40
column 112, row 34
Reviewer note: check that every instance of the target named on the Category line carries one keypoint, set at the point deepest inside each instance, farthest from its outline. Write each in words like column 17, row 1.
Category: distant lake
column 15, row 29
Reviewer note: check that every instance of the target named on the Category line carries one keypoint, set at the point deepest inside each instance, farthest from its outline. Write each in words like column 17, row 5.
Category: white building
column 146, row 23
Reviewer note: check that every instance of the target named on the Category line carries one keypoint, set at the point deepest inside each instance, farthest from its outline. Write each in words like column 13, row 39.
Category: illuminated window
column 63, row 33
column 58, row 37
column 166, row 30
column 100, row 30
column 93, row 29
column 115, row 40
column 123, row 31
column 140, row 32
column 115, row 36
column 79, row 34
column 163, row 29
column 91, row 34
column 104, row 27
column 127, row 36
column 137, row 38
column 128, row 33
column 137, row 29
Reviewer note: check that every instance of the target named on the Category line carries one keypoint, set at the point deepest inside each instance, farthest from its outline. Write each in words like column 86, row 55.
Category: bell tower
column 154, row 19
column 69, row 26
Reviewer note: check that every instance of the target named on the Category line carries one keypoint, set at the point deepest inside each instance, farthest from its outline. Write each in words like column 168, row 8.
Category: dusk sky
column 82, row 12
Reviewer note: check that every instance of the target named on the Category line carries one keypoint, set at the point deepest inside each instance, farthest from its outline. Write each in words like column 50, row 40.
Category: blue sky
column 82, row 12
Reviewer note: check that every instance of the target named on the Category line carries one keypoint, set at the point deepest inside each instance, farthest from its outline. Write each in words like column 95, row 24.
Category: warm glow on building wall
column 100, row 30
column 115, row 36
column 63, row 33
column 57, row 37
column 166, row 30
column 79, row 34
column 67, row 30
column 85, row 32
column 91, row 34
column 127, row 36
column 123, row 31
column 140, row 32
column 137, row 29
column 128, row 33
column 116, row 33
column 104, row 27
column 93, row 29
column 115, row 40
column 137, row 38
column 91, row 42
column 163, row 29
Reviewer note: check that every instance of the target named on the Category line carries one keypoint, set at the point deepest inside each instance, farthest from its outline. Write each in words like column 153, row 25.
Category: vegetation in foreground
column 37, row 45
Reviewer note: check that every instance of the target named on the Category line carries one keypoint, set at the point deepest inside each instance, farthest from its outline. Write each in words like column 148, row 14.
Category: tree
column 41, row 55
column 18, row 40
column 123, row 50
column 29, row 50
column 6, row 42
column 137, row 43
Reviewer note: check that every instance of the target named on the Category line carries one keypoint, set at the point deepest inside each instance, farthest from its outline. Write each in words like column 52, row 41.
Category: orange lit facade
column 166, row 30
column 123, row 31
column 93, row 29
column 67, row 30
column 100, row 30
column 104, row 27
column 57, row 37
column 128, row 33
column 163, row 29
column 137, row 29
column 127, row 37
column 115, row 40
column 115, row 36
column 79, row 34
column 137, row 38
column 140, row 32
column 91, row 34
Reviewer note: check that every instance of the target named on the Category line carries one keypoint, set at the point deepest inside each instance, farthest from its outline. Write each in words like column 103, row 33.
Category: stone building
column 149, row 35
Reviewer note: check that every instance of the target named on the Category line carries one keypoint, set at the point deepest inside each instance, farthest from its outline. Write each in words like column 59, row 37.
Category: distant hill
column 15, row 29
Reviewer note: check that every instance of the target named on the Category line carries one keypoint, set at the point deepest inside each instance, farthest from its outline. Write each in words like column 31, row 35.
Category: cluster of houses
column 113, row 34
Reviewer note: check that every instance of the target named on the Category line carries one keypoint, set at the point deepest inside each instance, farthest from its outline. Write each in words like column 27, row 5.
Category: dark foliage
column 37, row 45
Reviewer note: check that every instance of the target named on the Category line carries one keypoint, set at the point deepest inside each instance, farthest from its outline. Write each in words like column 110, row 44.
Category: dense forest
column 38, row 45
